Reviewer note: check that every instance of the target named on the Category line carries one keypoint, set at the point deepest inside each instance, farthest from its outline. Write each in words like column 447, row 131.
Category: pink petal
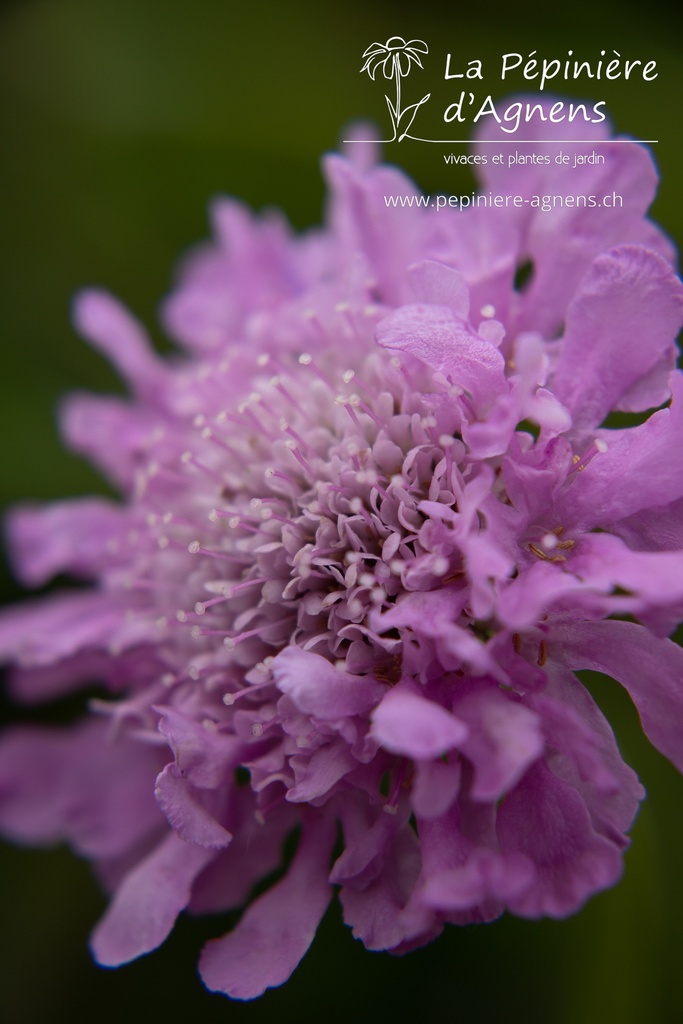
column 319, row 689
column 186, row 814
column 435, row 336
column 40, row 632
column 546, row 820
column 504, row 739
column 277, row 929
column 621, row 326
column 108, row 324
column 405, row 723
column 148, row 901
column 650, row 669
column 71, row 536
column 642, row 466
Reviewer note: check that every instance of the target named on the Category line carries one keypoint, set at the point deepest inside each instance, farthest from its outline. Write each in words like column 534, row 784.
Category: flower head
column 394, row 57
column 372, row 521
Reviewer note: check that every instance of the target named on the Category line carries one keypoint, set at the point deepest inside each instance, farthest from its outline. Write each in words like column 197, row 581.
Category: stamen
column 542, row 654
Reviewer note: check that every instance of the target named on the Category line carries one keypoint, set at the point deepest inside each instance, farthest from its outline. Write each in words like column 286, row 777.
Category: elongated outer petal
column 148, row 902
column 112, row 432
column 78, row 785
column 406, row 723
column 620, row 328
column 113, row 330
column 319, row 689
column 70, row 536
column 605, row 561
column 641, row 467
column 277, row 929
column 40, row 632
column 650, row 669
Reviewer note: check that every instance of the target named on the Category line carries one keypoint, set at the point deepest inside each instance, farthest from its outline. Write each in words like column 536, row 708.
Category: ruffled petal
column 620, row 328
column 545, row 819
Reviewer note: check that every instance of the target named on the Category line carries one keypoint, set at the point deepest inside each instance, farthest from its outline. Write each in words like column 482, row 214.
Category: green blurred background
column 119, row 119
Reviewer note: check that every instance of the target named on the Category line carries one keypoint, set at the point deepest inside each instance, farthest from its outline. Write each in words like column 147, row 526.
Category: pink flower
column 372, row 521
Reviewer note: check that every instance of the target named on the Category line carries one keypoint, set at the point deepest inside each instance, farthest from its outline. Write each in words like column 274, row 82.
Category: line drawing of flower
column 395, row 57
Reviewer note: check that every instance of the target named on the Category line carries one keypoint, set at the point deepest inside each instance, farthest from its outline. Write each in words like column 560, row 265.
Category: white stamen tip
column 193, row 547
column 228, row 699
column 305, row 359
column 488, row 310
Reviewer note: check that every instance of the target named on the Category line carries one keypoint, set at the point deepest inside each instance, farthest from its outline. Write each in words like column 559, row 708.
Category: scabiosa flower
column 372, row 521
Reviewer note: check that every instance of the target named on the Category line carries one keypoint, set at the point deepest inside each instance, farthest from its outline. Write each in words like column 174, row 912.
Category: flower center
column 313, row 515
